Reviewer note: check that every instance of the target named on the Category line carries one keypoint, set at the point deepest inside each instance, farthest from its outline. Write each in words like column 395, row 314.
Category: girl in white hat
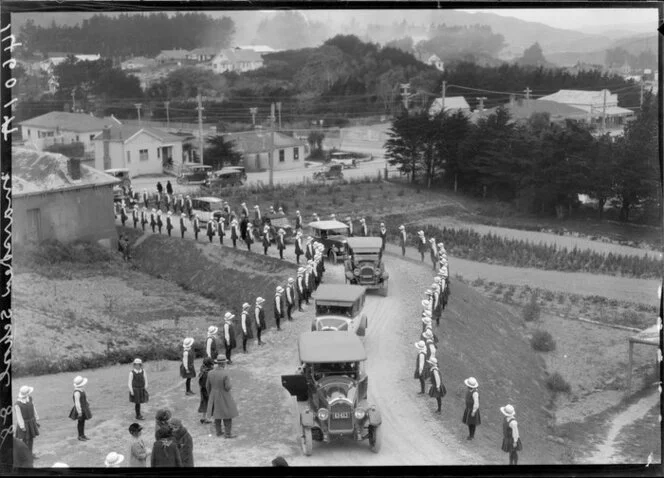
column 187, row 368
column 278, row 306
column 144, row 218
column 298, row 246
column 138, row 387
column 135, row 215
column 421, row 365
column 229, row 336
column 259, row 315
column 421, row 244
column 402, row 239
column 183, row 226
column 81, row 409
column 281, row 243
column 298, row 221
column 471, row 415
column 435, row 302
column 211, row 342
column 221, row 230
column 196, row 224
column 153, row 219
column 235, row 232
column 169, row 223
column 266, row 239
column 113, row 460
column 290, row 297
column 511, row 441
column 437, row 389
column 245, row 324
column 433, row 251
column 26, row 417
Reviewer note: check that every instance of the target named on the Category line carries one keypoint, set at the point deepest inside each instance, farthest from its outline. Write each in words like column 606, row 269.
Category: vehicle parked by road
column 340, row 307
column 239, row 169
column 207, row 208
column 364, row 263
column 122, row 174
column 346, row 160
column 331, row 389
column 332, row 234
column 193, row 173
column 223, row 178
column 329, row 172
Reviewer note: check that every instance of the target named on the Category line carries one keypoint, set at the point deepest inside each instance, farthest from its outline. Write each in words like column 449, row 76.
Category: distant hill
column 634, row 45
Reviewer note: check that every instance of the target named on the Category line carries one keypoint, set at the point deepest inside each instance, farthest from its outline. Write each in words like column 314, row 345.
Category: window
column 282, row 155
column 159, row 152
column 28, row 133
column 92, row 137
column 296, row 154
column 129, row 156
column 77, row 140
column 143, row 154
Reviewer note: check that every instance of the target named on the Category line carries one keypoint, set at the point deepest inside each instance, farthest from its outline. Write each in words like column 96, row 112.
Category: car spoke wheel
column 306, row 441
column 375, row 439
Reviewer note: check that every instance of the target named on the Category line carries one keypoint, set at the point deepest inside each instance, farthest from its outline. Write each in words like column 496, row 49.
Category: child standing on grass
column 187, row 370
column 138, row 453
column 511, row 441
column 245, row 324
column 81, row 410
column 138, row 387
column 421, row 244
column 25, row 417
column 471, row 415
column 437, row 389
column 402, row 239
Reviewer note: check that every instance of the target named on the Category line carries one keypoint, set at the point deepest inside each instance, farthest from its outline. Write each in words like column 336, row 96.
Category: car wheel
column 179, row 180
column 375, row 438
column 307, row 441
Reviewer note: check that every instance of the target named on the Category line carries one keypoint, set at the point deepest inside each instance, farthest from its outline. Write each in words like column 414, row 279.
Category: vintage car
column 339, row 307
column 329, row 171
column 333, row 235
column 238, row 169
column 122, row 174
column 223, row 178
column 331, row 391
column 193, row 173
column 346, row 160
column 207, row 208
column 280, row 222
column 364, row 263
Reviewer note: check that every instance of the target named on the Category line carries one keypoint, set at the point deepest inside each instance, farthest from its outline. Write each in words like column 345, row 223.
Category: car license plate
column 339, row 415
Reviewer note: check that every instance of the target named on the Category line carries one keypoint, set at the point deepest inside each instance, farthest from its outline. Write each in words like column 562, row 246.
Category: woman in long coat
column 221, row 405
column 165, row 452
column 208, row 364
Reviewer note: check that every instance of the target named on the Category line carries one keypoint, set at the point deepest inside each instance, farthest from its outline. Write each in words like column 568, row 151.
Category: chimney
column 74, row 166
column 106, row 136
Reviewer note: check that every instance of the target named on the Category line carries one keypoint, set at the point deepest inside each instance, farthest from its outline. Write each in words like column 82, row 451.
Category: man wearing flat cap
column 221, row 406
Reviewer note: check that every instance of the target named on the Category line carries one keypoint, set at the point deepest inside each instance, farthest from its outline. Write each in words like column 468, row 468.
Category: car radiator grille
column 341, row 417
column 367, row 274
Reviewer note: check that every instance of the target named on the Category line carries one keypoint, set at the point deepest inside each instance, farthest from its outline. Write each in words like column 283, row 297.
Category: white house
column 595, row 103
column 201, row 55
column 258, row 48
column 237, row 60
column 53, row 61
column 63, row 128
column 453, row 104
column 434, row 60
column 172, row 56
column 141, row 149
column 255, row 146
column 138, row 63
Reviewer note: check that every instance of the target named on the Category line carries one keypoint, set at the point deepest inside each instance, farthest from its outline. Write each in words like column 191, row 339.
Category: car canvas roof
column 358, row 243
column 328, row 225
column 208, row 199
column 330, row 347
column 338, row 292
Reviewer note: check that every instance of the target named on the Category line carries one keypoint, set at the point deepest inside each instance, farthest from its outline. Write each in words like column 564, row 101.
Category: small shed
column 649, row 336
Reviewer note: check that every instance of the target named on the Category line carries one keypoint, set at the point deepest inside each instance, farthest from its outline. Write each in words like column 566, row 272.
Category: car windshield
column 339, row 381
column 345, row 310
column 373, row 257
column 336, row 232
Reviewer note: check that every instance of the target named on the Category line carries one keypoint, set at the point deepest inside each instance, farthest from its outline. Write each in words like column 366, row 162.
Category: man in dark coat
column 184, row 442
column 160, row 188
column 146, row 199
column 153, row 220
column 221, row 406
column 188, row 204
column 290, row 297
column 157, row 200
column 169, row 187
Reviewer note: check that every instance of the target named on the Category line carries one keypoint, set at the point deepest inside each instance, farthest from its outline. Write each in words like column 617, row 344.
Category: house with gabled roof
column 178, row 56
column 521, row 110
column 596, row 104
column 141, row 149
column 238, row 60
column 201, row 55
column 255, row 146
column 62, row 127
column 58, row 198
column 453, row 104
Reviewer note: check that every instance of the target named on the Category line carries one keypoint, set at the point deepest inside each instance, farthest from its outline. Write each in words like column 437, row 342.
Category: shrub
column 556, row 383
column 543, row 341
column 401, row 192
column 479, row 282
column 531, row 311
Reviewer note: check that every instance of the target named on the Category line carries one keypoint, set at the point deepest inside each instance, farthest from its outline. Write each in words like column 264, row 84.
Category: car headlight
column 359, row 413
column 323, row 414
column 356, row 272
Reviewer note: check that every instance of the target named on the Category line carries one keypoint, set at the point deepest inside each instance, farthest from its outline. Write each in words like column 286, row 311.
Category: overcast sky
column 575, row 18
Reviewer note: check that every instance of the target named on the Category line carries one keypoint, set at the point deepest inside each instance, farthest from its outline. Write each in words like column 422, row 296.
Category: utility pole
column 641, row 100
column 200, row 125
column 73, row 100
column 168, row 116
column 481, row 100
column 271, row 151
column 138, row 108
column 442, row 108
column 279, row 110
column 528, row 91
column 252, row 112
column 604, row 113
column 405, row 93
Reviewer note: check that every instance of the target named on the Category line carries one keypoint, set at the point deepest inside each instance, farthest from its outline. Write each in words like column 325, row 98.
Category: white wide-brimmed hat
column 213, row 330
column 154, row 210
column 256, row 206
column 170, row 213
column 281, row 232
column 291, row 280
column 188, row 342
column 362, row 220
column 428, row 333
column 436, row 280
column 80, row 381
column 113, row 459
column 228, row 317
column 433, row 240
column 426, row 303
column 471, row 382
column 183, row 215
column 300, row 270
column 421, row 345
column 434, row 286
column 24, row 391
column 138, row 361
column 426, row 313
column 420, row 233
column 402, row 227
column 246, row 305
column 508, row 410
column 260, row 300
column 382, row 224
column 428, row 292
column 426, row 319
column 279, row 289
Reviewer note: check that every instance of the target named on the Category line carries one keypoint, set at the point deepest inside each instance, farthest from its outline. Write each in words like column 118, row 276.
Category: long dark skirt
column 140, row 395
column 469, row 420
column 31, row 430
column 508, row 445
column 202, row 407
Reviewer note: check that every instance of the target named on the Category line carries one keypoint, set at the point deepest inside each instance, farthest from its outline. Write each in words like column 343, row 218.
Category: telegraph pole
column 252, row 112
column 138, row 108
column 443, row 97
column 404, row 88
column 604, row 113
column 73, row 100
column 200, row 125
column 481, row 100
column 168, row 116
column 642, row 85
column 271, row 152
column 528, row 91
column 279, row 110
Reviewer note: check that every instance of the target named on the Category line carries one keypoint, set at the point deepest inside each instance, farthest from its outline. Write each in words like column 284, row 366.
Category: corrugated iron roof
column 44, row 172
column 77, row 122
column 172, row 54
column 254, row 142
column 236, row 55
column 524, row 109
column 451, row 103
column 125, row 132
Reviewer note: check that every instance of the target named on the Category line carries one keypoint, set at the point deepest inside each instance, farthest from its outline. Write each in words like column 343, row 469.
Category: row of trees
column 539, row 165
column 130, row 35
